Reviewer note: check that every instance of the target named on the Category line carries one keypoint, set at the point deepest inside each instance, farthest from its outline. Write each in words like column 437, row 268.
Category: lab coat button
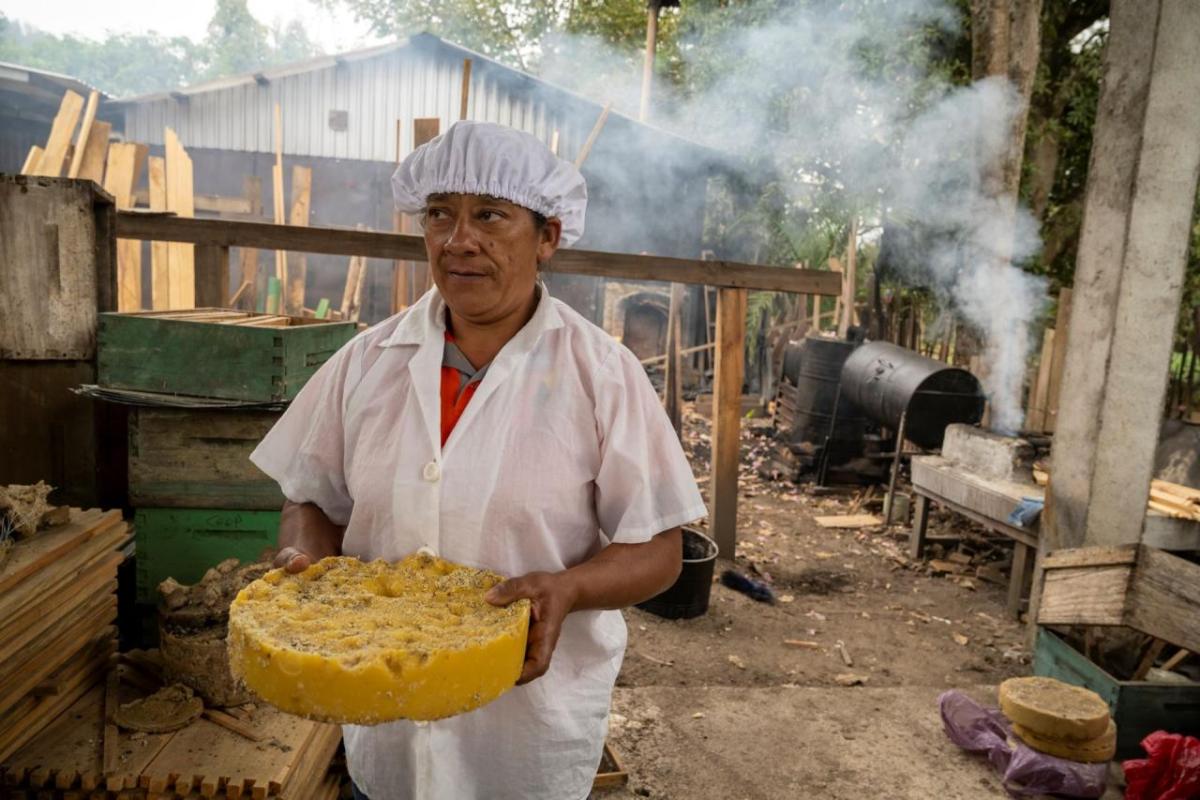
column 432, row 471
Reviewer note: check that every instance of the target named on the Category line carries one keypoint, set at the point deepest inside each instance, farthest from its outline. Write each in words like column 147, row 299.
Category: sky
column 334, row 31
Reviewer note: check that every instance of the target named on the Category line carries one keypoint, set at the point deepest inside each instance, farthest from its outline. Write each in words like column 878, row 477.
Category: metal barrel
column 817, row 375
column 885, row 380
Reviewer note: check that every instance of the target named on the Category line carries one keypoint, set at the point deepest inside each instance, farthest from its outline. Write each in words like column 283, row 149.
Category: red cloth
column 1171, row 770
column 453, row 404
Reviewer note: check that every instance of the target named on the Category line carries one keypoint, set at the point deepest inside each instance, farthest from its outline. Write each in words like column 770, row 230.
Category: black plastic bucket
column 688, row 596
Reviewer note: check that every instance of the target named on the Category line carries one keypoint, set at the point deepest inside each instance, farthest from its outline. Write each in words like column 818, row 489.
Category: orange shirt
column 455, row 395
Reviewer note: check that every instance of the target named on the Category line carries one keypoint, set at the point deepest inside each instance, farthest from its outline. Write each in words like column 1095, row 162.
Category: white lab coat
column 563, row 449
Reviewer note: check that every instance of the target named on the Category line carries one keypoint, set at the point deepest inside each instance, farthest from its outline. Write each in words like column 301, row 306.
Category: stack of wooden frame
column 57, row 607
column 274, row 755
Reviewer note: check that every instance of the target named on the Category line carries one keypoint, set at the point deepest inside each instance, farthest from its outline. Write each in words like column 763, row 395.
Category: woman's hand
column 306, row 535
column 552, row 596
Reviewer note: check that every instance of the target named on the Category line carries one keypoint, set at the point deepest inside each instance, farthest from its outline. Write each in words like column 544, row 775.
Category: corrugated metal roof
column 18, row 73
column 381, row 90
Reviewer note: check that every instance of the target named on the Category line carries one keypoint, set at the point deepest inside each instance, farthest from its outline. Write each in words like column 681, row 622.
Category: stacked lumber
column 1174, row 500
column 248, row 752
column 57, row 608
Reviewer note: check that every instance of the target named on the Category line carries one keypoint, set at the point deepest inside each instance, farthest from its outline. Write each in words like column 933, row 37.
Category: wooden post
column 652, row 10
column 901, row 432
column 297, row 262
column 466, row 89
column 211, row 275
column 1035, row 419
column 850, row 282
column 673, row 377
column 425, row 129
column 727, row 415
column 91, row 168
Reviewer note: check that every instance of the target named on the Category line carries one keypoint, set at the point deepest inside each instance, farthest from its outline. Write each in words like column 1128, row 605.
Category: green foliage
column 125, row 64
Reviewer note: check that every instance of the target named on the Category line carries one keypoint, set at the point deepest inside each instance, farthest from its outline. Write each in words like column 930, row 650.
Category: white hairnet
column 485, row 158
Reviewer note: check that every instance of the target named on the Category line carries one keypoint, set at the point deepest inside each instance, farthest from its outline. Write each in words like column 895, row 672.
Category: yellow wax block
column 355, row 642
column 1053, row 709
column 1091, row 751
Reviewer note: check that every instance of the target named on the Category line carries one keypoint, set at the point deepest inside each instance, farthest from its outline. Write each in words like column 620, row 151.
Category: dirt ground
column 720, row 706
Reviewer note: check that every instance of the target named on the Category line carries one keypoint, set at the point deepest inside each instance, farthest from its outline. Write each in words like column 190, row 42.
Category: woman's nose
column 463, row 237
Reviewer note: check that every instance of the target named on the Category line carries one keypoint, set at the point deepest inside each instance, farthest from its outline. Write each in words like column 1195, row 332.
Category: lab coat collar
column 426, row 321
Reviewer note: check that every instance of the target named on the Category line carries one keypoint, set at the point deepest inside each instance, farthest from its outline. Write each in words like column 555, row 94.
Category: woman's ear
column 548, row 239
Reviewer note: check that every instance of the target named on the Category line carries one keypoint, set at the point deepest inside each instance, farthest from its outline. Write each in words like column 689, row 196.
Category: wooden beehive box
column 1137, row 586
column 212, row 352
column 199, row 458
column 1138, row 707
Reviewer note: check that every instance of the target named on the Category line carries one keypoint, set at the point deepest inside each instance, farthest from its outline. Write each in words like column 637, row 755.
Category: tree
column 236, row 41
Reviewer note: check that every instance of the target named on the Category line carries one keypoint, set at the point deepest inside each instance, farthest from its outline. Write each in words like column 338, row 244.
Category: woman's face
column 484, row 253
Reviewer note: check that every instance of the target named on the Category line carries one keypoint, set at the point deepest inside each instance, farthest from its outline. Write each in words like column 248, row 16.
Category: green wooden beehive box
column 1138, row 707
column 199, row 458
column 183, row 543
column 213, row 352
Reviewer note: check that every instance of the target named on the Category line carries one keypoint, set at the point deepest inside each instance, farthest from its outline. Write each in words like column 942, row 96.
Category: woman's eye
column 490, row 216
column 435, row 213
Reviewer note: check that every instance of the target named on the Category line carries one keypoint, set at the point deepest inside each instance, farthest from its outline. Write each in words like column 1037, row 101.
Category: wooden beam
column 211, row 275
column 465, row 94
column 727, row 415
column 160, row 267
column 214, row 203
column 372, row 244
column 85, row 131
column 91, row 168
column 298, row 216
column 1035, row 419
column 181, row 200
column 61, row 131
column 595, row 134
column 673, row 379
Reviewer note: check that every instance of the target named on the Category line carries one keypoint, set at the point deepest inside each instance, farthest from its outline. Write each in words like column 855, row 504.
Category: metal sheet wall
column 381, row 96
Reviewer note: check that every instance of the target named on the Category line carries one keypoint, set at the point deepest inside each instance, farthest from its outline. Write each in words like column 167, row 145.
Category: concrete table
column 983, row 500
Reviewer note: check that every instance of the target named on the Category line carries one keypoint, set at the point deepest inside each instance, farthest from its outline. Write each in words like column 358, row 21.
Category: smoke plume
column 839, row 99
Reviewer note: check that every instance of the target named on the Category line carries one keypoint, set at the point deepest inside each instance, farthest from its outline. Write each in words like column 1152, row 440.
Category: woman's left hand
column 551, row 596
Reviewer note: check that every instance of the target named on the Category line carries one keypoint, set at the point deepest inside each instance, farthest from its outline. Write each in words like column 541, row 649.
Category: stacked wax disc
column 1059, row 719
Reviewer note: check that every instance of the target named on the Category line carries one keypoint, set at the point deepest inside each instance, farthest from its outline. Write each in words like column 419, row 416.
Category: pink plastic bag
column 1024, row 770
column 1170, row 772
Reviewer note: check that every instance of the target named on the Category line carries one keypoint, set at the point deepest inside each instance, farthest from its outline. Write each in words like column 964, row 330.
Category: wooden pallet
column 203, row 760
column 57, row 609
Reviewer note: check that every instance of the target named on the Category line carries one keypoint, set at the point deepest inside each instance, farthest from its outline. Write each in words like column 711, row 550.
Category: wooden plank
column 1040, row 391
column 108, row 762
column 298, row 217
column 849, row 521
column 211, row 275
column 160, row 263
column 91, row 167
column 31, row 160
column 593, row 136
column 248, row 257
column 29, row 556
column 61, row 131
column 277, row 194
column 85, row 131
column 727, row 414
column 92, row 588
column 374, row 244
column 1164, row 598
column 425, row 129
column 465, row 91
column 68, row 566
column 180, row 199
column 1090, row 557
column 215, row 203
column 1059, row 357
column 78, row 630
column 120, row 175
column 673, row 379
column 1084, row 596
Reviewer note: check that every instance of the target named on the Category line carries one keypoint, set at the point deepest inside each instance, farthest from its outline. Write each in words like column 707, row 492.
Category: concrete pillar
column 1129, row 275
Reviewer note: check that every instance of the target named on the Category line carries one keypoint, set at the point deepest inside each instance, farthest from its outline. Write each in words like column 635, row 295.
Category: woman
column 494, row 426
